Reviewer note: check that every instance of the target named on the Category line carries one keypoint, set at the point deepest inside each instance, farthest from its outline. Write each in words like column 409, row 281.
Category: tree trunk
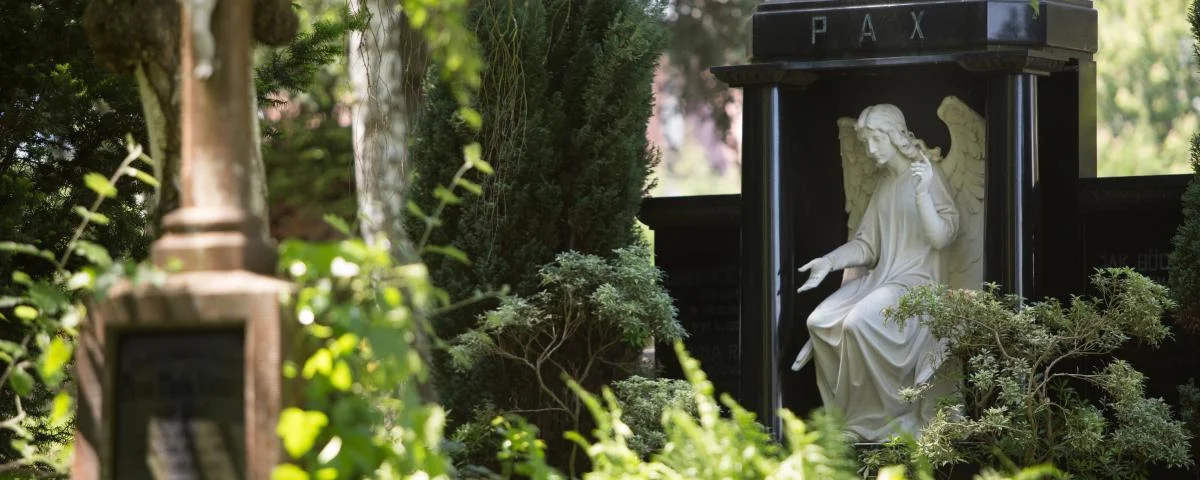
column 158, row 88
column 381, row 111
column 386, row 62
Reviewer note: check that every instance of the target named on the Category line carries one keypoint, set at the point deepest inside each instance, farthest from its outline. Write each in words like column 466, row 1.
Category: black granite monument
column 1029, row 72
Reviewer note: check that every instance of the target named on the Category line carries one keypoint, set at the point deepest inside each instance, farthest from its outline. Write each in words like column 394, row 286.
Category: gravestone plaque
column 180, row 409
column 1130, row 221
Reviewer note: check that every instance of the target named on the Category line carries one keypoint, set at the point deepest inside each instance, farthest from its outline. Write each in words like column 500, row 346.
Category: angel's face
column 879, row 147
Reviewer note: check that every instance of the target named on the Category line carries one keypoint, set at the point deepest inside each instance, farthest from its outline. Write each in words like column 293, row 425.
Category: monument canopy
column 981, row 35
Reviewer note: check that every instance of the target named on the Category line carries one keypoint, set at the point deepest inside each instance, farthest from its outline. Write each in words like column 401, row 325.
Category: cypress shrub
column 565, row 99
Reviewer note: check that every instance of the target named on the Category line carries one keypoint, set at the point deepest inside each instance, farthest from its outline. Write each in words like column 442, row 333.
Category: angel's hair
column 889, row 119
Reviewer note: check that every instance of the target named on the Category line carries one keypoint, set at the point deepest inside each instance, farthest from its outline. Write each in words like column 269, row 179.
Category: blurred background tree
column 1146, row 88
column 697, row 119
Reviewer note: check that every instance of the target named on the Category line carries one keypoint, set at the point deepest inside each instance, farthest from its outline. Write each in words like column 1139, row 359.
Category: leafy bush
column 49, row 312
column 566, row 94
column 589, row 322
column 1026, row 399
column 703, row 443
column 361, row 413
column 644, row 401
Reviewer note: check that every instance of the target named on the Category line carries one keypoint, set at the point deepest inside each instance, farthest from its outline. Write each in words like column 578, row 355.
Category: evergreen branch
column 135, row 152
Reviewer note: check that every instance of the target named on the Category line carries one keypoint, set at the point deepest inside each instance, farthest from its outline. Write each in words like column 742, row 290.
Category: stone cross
column 183, row 379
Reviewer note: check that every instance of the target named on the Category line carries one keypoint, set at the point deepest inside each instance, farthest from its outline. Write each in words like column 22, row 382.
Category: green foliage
column 361, row 414
column 320, row 42
column 63, row 116
column 47, row 312
column 566, row 94
column 309, row 161
column 1025, row 392
column 1145, row 91
column 701, row 443
column 589, row 323
column 643, row 402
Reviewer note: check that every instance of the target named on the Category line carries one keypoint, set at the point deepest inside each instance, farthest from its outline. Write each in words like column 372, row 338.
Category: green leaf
column 21, row 381
column 53, row 360
column 340, row 377
column 22, row 278
column 81, row 279
column 474, row 155
column 60, row 413
column 47, row 298
column 471, row 117
column 320, row 331
column 146, row 178
column 288, row 471
column 444, row 194
column 13, row 348
column 344, row 344
column 26, row 312
column 417, row 16
column 299, row 429
column 469, row 186
column 94, row 217
column 26, row 249
column 94, row 253
column 321, row 362
column 338, row 224
column 415, row 209
column 99, row 183
column 450, row 251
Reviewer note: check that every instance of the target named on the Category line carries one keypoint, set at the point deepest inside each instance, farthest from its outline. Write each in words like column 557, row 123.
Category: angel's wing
column 859, row 177
column 964, row 169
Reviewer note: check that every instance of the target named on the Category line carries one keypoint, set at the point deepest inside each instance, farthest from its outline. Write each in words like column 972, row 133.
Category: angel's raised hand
column 817, row 269
column 922, row 171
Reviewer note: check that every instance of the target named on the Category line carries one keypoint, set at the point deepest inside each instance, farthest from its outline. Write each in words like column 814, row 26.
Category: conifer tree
column 565, row 100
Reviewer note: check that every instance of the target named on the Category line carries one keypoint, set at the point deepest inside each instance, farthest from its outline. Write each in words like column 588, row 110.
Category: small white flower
column 341, row 268
column 307, row 316
column 297, row 269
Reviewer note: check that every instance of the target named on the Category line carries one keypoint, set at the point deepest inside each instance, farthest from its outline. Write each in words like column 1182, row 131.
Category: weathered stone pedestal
column 183, row 379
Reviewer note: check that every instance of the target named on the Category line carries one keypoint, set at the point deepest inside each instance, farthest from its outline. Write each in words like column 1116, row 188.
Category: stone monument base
column 199, row 359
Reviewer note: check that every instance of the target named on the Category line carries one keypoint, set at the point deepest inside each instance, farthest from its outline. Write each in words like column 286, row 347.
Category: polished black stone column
column 1012, row 181
column 762, row 245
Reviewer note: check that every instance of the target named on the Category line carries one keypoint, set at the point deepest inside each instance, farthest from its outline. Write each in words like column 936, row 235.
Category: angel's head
column 885, row 134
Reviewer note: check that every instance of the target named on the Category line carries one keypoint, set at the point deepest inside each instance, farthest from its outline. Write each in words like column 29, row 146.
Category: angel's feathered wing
column 964, row 169
column 860, row 176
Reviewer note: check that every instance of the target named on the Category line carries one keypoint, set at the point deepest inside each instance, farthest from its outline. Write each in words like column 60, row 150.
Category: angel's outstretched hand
column 817, row 269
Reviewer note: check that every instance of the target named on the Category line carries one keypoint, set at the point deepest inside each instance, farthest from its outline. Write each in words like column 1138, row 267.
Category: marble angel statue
column 916, row 218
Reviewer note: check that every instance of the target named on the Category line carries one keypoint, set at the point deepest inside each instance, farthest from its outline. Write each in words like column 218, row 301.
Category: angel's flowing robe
column 861, row 362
